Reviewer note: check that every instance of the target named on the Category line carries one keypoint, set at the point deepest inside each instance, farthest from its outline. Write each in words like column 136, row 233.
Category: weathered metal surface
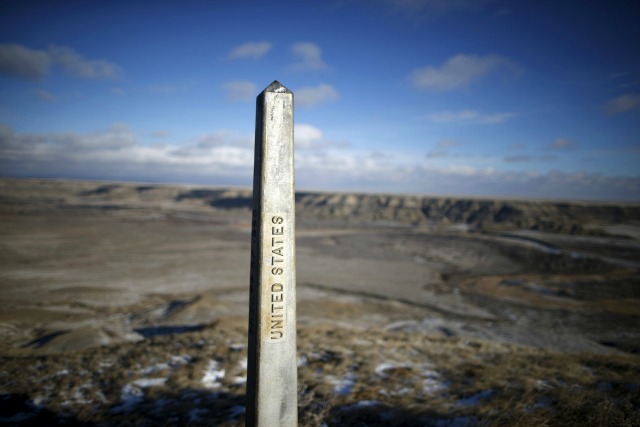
column 272, row 367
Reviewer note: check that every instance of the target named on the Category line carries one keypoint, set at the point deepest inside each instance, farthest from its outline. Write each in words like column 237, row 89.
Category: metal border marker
column 272, row 377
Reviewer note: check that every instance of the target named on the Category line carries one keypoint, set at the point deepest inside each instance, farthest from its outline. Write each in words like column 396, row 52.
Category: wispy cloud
column 312, row 96
column 45, row 95
column 527, row 158
column 622, row 104
column 460, row 71
column 240, row 90
column 563, row 144
column 518, row 158
column 225, row 138
column 517, row 146
column 22, row 62
column 30, row 64
column 79, row 66
column 251, row 50
column 468, row 117
column 160, row 134
column 442, row 149
column 309, row 57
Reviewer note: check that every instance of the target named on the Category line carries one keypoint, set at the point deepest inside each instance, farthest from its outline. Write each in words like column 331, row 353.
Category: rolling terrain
column 126, row 304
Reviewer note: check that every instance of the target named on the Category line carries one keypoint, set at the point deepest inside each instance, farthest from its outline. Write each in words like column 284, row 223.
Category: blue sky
column 457, row 97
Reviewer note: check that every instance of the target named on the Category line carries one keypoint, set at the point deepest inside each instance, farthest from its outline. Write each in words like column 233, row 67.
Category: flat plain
column 127, row 304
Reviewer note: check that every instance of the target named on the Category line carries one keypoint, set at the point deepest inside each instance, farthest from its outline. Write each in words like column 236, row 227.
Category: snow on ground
column 133, row 393
column 174, row 362
column 213, row 374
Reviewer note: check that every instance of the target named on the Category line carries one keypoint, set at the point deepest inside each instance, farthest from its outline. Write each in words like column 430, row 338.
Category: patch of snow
column 150, row 382
column 432, row 385
column 302, row 361
column 178, row 360
column 132, row 393
column 175, row 362
column 213, row 375
column 381, row 369
column 403, row 391
column 106, row 363
column 237, row 346
column 359, row 405
column 130, row 396
column 403, row 326
column 101, row 397
column 243, row 363
column 38, row 401
column 342, row 386
column 154, row 369
column 543, row 385
column 239, row 380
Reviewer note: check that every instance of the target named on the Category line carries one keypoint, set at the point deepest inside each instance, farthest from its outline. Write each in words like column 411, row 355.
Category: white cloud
column 250, row 50
column 312, row 96
column 226, row 158
column 357, row 171
column 469, row 117
column 460, row 71
column 622, row 104
column 23, row 62
column 310, row 137
column 307, row 136
column 240, row 90
column 309, row 57
column 117, row 153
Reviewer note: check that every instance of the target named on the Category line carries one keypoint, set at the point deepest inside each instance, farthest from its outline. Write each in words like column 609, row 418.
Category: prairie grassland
column 125, row 304
column 346, row 378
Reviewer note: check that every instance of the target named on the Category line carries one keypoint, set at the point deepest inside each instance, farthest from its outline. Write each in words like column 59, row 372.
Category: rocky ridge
column 484, row 214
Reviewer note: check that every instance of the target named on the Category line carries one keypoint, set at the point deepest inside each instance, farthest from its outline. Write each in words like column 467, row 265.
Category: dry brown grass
column 347, row 377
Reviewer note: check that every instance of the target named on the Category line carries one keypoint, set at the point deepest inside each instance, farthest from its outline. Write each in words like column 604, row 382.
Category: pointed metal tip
column 277, row 87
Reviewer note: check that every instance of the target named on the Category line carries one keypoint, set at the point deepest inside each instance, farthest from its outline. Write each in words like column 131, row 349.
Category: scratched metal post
column 272, row 398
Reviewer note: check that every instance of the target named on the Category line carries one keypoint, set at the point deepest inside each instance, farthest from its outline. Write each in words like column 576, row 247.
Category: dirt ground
column 118, row 309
